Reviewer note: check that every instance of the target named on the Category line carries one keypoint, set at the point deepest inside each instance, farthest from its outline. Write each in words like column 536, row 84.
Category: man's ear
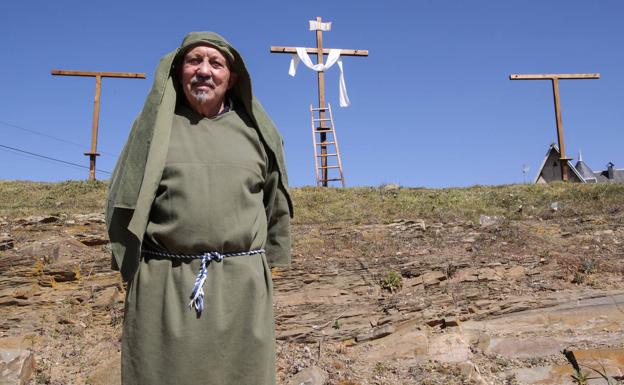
column 233, row 79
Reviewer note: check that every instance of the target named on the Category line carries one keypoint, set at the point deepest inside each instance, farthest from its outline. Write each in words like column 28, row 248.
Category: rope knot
column 215, row 256
column 197, row 296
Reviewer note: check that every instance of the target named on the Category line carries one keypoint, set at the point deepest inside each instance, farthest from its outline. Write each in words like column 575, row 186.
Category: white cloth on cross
column 332, row 58
column 316, row 26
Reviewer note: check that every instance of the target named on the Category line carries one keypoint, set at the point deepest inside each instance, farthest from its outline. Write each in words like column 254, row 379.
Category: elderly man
column 197, row 213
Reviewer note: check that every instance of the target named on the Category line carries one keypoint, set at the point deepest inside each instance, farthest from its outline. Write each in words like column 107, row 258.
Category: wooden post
column 321, row 99
column 320, row 52
column 563, row 160
column 94, row 129
column 92, row 153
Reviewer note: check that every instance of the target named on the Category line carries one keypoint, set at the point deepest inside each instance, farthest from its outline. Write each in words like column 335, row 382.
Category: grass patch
column 392, row 282
column 359, row 205
column 374, row 205
column 19, row 198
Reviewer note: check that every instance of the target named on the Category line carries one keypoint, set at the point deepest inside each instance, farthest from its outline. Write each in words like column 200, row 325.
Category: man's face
column 206, row 77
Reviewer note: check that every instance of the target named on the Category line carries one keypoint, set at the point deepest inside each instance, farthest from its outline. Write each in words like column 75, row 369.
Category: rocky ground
column 409, row 301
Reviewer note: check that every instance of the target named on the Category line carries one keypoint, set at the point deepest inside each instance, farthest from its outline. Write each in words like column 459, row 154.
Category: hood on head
column 241, row 91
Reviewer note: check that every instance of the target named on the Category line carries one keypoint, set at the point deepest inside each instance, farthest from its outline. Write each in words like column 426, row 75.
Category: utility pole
column 555, row 84
column 321, row 26
column 92, row 154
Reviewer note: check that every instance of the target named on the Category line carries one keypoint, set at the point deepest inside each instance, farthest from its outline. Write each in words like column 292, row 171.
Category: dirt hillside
column 389, row 285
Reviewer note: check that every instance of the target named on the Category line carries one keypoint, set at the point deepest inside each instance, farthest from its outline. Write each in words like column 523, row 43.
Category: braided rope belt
column 197, row 296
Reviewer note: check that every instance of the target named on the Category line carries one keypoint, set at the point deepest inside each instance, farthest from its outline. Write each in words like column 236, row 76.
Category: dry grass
column 357, row 205
column 28, row 198
column 375, row 205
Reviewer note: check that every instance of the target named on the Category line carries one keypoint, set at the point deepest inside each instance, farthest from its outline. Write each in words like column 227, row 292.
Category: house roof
column 603, row 176
column 584, row 173
column 584, row 170
column 554, row 147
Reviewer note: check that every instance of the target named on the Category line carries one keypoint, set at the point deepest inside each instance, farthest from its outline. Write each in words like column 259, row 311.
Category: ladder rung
column 329, row 166
column 320, row 109
column 322, row 120
column 329, row 180
column 324, row 155
column 324, row 129
column 325, row 143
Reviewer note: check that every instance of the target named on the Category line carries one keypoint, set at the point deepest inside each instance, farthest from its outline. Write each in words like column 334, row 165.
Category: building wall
column 552, row 170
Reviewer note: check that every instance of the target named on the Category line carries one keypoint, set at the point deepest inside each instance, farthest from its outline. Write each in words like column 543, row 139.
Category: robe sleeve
column 278, row 220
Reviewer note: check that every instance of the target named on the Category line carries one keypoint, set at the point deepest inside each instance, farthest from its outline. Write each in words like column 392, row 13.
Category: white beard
column 200, row 96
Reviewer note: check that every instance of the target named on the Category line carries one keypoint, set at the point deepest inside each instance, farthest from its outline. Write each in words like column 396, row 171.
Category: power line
column 40, row 133
column 52, row 159
column 48, row 136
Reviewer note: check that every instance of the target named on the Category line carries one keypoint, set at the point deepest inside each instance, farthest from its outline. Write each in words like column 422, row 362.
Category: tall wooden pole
column 320, row 51
column 321, row 99
column 94, row 128
column 563, row 160
column 92, row 153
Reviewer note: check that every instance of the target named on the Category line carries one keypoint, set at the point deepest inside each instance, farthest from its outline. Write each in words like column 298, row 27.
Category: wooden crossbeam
column 96, row 105
column 101, row 74
column 343, row 52
column 554, row 78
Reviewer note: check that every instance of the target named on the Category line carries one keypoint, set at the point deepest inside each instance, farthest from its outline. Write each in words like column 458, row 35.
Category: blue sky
column 431, row 106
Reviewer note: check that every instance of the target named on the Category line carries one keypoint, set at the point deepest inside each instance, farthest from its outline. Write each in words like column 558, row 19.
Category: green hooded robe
column 232, row 342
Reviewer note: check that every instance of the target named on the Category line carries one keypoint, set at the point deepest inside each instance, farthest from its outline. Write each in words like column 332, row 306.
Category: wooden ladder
column 326, row 152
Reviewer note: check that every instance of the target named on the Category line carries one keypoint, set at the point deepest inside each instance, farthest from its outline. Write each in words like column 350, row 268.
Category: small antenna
column 525, row 169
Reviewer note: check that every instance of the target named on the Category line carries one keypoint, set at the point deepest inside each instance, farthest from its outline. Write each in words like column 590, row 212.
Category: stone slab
column 16, row 366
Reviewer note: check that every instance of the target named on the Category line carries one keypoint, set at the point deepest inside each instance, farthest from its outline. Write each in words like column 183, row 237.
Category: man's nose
column 204, row 68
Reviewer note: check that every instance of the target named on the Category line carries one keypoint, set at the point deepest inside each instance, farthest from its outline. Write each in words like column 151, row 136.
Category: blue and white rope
column 197, row 296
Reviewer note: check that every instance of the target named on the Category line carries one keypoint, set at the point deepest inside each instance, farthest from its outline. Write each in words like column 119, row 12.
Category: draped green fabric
column 140, row 166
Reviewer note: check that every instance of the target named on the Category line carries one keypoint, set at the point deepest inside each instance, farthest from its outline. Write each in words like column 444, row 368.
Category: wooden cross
column 96, row 105
column 320, row 51
column 555, row 83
